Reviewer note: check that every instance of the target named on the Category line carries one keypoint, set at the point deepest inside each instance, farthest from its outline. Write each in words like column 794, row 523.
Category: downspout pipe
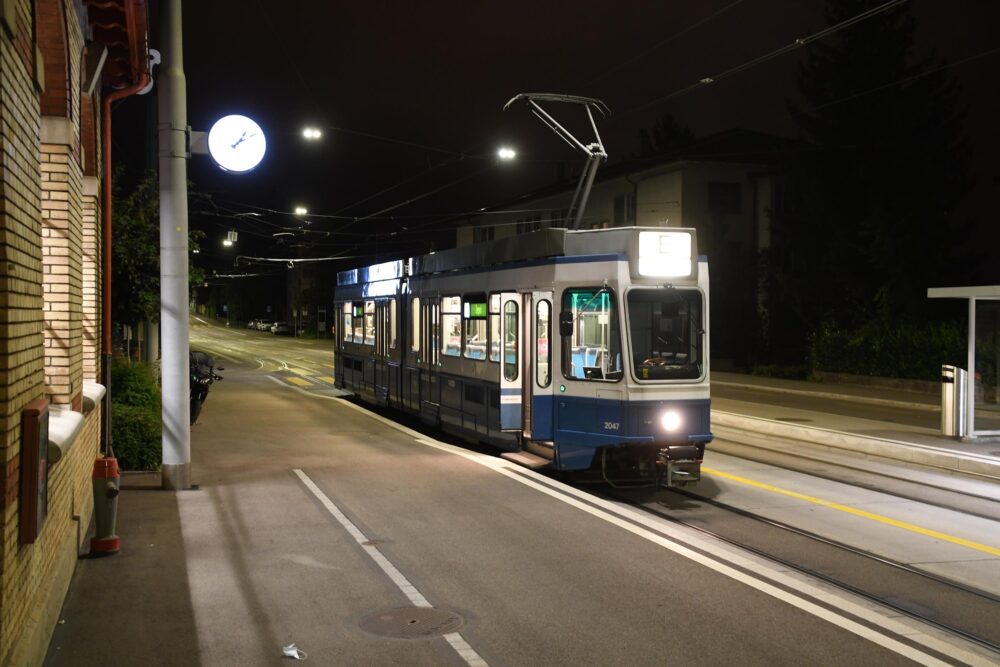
column 111, row 98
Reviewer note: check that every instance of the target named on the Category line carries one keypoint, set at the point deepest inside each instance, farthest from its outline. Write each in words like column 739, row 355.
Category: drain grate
column 411, row 622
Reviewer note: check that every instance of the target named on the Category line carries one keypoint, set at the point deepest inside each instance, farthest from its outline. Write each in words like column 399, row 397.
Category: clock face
column 236, row 143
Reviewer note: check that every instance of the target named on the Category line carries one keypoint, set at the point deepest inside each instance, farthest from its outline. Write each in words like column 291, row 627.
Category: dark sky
column 438, row 73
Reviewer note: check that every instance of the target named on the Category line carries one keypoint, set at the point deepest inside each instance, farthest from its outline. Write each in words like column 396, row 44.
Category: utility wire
column 662, row 43
column 794, row 46
column 907, row 79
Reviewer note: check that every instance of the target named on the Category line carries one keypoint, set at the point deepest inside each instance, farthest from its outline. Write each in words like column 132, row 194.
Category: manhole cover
column 796, row 420
column 411, row 622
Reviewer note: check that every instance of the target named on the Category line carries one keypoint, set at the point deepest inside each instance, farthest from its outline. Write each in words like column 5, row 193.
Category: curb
column 735, row 427
column 869, row 400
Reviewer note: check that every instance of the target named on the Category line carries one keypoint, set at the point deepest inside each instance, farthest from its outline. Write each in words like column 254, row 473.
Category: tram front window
column 667, row 334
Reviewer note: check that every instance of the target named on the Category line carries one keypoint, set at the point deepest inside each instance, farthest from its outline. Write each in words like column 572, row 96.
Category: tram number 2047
column 612, row 426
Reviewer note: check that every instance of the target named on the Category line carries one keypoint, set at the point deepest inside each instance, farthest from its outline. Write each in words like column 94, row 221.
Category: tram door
column 430, row 397
column 511, row 375
column 526, row 364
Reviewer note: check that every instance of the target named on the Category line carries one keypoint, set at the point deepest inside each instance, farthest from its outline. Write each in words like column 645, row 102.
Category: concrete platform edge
column 832, row 395
column 729, row 425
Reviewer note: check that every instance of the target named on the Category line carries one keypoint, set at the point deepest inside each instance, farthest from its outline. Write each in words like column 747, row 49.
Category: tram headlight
column 670, row 420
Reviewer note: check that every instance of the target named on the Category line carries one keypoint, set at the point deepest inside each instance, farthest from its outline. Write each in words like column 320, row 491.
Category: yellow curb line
column 993, row 551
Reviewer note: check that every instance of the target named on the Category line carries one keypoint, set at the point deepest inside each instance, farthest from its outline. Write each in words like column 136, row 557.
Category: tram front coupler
column 679, row 465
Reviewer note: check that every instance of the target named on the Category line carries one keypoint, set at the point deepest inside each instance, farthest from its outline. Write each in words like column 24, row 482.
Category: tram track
column 950, row 606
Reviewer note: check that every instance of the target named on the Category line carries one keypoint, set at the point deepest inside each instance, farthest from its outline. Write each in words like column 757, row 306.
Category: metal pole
column 176, row 472
column 970, row 392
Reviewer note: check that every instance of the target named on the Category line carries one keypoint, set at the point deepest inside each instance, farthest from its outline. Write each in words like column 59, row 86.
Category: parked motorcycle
column 202, row 376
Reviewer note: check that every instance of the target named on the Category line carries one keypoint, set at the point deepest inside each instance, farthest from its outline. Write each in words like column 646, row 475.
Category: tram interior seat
column 584, row 357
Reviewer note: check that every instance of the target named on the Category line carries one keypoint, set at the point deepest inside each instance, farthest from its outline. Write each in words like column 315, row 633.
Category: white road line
column 454, row 639
column 616, row 515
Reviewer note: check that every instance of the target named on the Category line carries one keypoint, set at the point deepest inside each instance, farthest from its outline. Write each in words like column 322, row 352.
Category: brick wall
column 47, row 229
column 91, row 273
column 62, row 247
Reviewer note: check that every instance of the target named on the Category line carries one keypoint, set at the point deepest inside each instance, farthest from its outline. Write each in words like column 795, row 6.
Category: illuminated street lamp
column 301, row 210
column 506, row 153
column 230, row 238
column 312, row 133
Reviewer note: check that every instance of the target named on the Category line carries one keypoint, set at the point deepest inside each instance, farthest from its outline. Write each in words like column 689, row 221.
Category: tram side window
column 415, row 325
column 359, row 322
column 451, row 326
column 369, row 322
column 592, row 345
column 390, row 313
column 494, row 327
column 346, row 326
column 474, row 316
column 510, row 343
column 543, row 350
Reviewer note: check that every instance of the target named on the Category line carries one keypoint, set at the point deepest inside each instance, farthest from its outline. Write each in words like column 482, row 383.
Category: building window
column 483, row 234
column 624, row 210
column 530, row 224
column 724, row 197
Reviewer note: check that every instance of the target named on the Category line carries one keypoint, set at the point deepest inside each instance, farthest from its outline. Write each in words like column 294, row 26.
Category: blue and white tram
column 573, row 350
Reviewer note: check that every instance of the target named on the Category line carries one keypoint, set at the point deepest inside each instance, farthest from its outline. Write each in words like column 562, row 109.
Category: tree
column 135, row 251
column 667, row 136
column 866, row 227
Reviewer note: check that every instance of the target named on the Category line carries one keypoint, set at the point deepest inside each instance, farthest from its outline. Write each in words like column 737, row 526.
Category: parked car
column 281, row 329
column 252, row 324
column 264, row 325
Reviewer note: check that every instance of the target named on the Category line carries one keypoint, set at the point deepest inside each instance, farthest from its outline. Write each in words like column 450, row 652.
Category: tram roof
column 542, row 244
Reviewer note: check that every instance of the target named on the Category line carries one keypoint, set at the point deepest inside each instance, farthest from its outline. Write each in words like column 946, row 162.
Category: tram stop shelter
column 983, row 390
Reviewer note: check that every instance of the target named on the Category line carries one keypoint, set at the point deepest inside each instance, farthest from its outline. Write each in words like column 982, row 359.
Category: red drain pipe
column 106, row 264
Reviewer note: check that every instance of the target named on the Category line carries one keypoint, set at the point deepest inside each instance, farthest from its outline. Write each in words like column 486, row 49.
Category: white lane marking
column 454, row 639
column 607, row 511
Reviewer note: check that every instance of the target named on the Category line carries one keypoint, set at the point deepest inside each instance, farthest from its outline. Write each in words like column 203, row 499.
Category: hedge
column 136, row 420
column 910, row 350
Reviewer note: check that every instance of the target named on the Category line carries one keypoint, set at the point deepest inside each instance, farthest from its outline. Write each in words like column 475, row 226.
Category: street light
column 312, row 133
column 300, row 210
column 506, row 153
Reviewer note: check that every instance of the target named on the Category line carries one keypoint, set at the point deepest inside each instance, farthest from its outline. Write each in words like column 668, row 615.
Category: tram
column 573, row 350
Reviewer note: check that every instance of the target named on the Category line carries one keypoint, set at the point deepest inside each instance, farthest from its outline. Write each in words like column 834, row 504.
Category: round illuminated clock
column 236, row 143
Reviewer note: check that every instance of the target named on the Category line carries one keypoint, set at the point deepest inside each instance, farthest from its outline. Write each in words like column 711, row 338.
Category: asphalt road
column 317, row 523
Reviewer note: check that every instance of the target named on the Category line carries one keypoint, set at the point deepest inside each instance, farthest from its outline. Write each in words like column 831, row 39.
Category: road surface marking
column 454, row 639
column 677, row 541
column 299, row 381
column 993, row 551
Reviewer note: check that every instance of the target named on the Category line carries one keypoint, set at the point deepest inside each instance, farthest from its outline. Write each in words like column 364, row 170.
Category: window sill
column 64, row 427
column 92, row 395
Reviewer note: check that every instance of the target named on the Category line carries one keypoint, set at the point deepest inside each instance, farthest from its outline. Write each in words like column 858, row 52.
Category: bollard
column 106, row 480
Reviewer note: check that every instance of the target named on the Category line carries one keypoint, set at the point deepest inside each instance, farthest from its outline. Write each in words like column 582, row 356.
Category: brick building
column 56, row 56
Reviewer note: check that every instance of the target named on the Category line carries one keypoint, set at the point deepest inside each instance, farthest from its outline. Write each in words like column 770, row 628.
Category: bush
column 133, row 383
column 136, row 420
column 137, row 432
column 909, row 350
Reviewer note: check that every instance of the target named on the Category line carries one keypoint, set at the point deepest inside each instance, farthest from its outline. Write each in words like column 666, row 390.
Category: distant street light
column 300, row 210
column 312, row 133
column 506, row 153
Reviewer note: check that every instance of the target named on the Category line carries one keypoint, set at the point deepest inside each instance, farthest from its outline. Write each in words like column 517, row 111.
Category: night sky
column 437, row 74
